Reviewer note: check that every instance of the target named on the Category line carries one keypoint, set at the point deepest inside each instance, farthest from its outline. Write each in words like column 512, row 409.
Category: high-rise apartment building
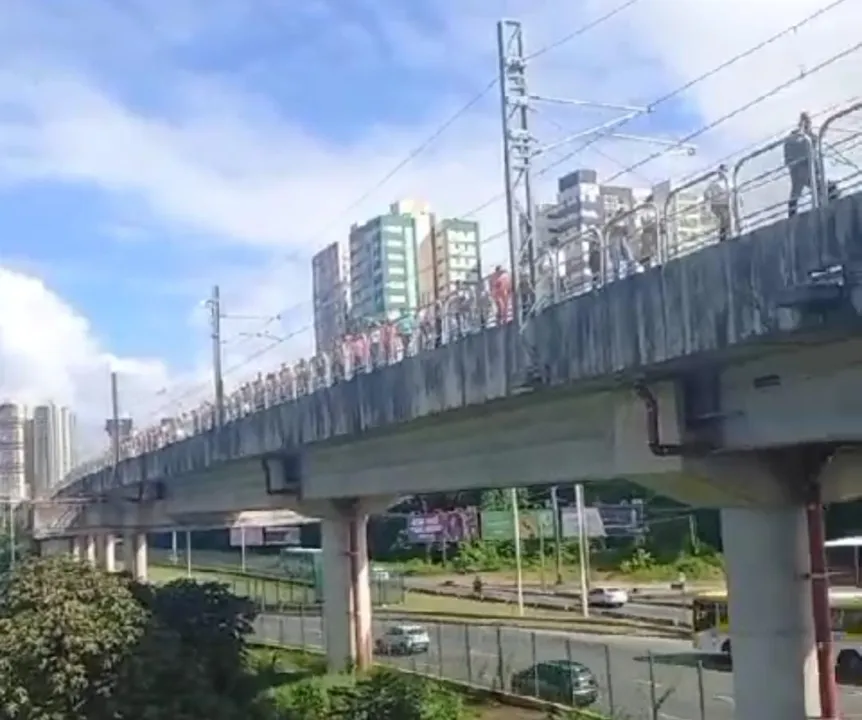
column 691, row 223
column 13, row 453
column 53, row 446
column 449, row 257
column 584, row 203
column 383, row 274
column 330, row 292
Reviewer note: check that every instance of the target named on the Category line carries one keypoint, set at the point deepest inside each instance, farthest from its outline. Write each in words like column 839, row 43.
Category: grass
column 275, row 595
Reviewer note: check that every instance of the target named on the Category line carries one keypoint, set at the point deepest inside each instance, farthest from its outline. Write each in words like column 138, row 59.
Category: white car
column 379, row 574
column 608, row 597
column 404, row 640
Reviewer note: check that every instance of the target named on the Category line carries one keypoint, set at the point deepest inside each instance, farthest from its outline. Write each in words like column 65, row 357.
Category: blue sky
column 149, row 149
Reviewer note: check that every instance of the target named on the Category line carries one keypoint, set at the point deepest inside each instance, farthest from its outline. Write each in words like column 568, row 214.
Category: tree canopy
column 80, row 644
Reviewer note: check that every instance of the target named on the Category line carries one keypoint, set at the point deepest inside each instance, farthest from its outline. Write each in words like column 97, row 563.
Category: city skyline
column 38, row 448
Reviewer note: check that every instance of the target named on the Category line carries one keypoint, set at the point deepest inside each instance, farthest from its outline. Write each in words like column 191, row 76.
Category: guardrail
column 635, row 680
column 678, row 229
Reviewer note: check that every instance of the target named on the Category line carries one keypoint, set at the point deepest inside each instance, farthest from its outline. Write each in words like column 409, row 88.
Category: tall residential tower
column 53, row 446
column 330, row 292
column 383, row 274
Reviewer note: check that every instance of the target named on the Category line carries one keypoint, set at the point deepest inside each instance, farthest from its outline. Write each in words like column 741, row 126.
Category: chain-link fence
column 635, row 677
column 261, row 582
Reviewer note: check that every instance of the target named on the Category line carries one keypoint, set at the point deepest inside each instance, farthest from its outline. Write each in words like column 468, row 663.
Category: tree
column 79, row 644
column 210, row 622
column 388, row 694
column 65, row 631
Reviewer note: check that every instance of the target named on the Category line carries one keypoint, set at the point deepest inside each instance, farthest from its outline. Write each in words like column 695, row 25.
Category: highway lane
column 633, row 610
column 633, row 672
column 270, row 564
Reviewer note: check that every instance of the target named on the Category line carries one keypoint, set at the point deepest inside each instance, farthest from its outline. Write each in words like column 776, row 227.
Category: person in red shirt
column 501, row 292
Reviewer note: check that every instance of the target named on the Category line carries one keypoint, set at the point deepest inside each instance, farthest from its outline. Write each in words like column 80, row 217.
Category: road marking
column 724, row 698
column 670, row 717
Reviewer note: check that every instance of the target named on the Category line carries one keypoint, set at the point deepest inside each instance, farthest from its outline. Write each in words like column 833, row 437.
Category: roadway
column 645, row 611
column 629, row 682
column 678, row 614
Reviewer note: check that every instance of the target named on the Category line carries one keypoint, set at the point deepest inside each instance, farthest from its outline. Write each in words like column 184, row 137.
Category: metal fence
column 742, row 194
column 637, row 677
column 261, row 583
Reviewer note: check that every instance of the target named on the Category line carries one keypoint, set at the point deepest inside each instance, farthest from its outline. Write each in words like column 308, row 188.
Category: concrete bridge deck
column 707, row 309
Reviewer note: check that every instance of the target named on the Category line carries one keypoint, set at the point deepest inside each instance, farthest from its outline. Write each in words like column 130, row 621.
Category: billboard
column 570, row 527
column 497, row 524
column 605, row 520
column 443, row 526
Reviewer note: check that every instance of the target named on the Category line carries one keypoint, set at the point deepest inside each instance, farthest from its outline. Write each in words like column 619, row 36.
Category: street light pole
column 582, row 548
column 516, row 538
column 215, row 333
column 558, row 534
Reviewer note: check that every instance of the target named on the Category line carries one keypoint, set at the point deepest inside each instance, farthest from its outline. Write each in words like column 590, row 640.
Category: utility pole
column 516, row 539
column 583, row 549
column 115, row 421
column 218, row 380
column 435, row 285
column 558, row 534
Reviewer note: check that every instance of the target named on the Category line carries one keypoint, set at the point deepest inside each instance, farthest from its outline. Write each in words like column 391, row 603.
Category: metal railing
column 598, row 255
column 263, row 580
column 636, row 677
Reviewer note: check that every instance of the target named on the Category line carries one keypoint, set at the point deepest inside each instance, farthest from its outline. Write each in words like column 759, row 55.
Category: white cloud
column 48, row 353
column 230, row 165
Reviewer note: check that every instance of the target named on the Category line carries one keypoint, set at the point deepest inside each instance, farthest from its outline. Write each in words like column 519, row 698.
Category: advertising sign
column 569, row 525
column 623, row 519
column 605, row 520
column 444, row 526
column 497, row 524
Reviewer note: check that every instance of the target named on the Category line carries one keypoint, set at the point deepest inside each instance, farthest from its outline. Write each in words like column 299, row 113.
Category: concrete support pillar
column 129, row 552
column 79, row 551
column 771, row 623
column 140, row 562
column 90, row 549
column 346, row 590
column 106, row 552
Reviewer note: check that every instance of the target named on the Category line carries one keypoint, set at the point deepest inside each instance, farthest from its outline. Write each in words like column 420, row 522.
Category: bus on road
column 711, row 632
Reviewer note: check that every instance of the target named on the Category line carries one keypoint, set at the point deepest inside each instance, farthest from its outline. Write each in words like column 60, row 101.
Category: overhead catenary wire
column 681, row 89
column 452, row 120
column 761, row 98
column 775, row 90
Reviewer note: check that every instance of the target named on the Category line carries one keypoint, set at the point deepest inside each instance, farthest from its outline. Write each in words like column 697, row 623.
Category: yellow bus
column 711, row 632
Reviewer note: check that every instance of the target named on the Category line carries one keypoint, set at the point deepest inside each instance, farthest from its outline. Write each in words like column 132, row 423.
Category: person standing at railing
column 800, row 148
column 717, row 197
column 500, row 285
column 649, row 236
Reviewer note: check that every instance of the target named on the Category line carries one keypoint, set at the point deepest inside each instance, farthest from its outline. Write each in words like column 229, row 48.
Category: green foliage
column 17, row 546
column 385, row 694
column 79, row 644
column 208, row 619
column 391, row 695
column 65, row 632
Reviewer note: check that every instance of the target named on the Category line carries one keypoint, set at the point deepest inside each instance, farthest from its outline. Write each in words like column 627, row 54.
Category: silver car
column 404, row 640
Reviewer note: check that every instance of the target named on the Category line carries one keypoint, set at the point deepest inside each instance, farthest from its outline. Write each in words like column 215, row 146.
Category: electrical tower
column 529, row 261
